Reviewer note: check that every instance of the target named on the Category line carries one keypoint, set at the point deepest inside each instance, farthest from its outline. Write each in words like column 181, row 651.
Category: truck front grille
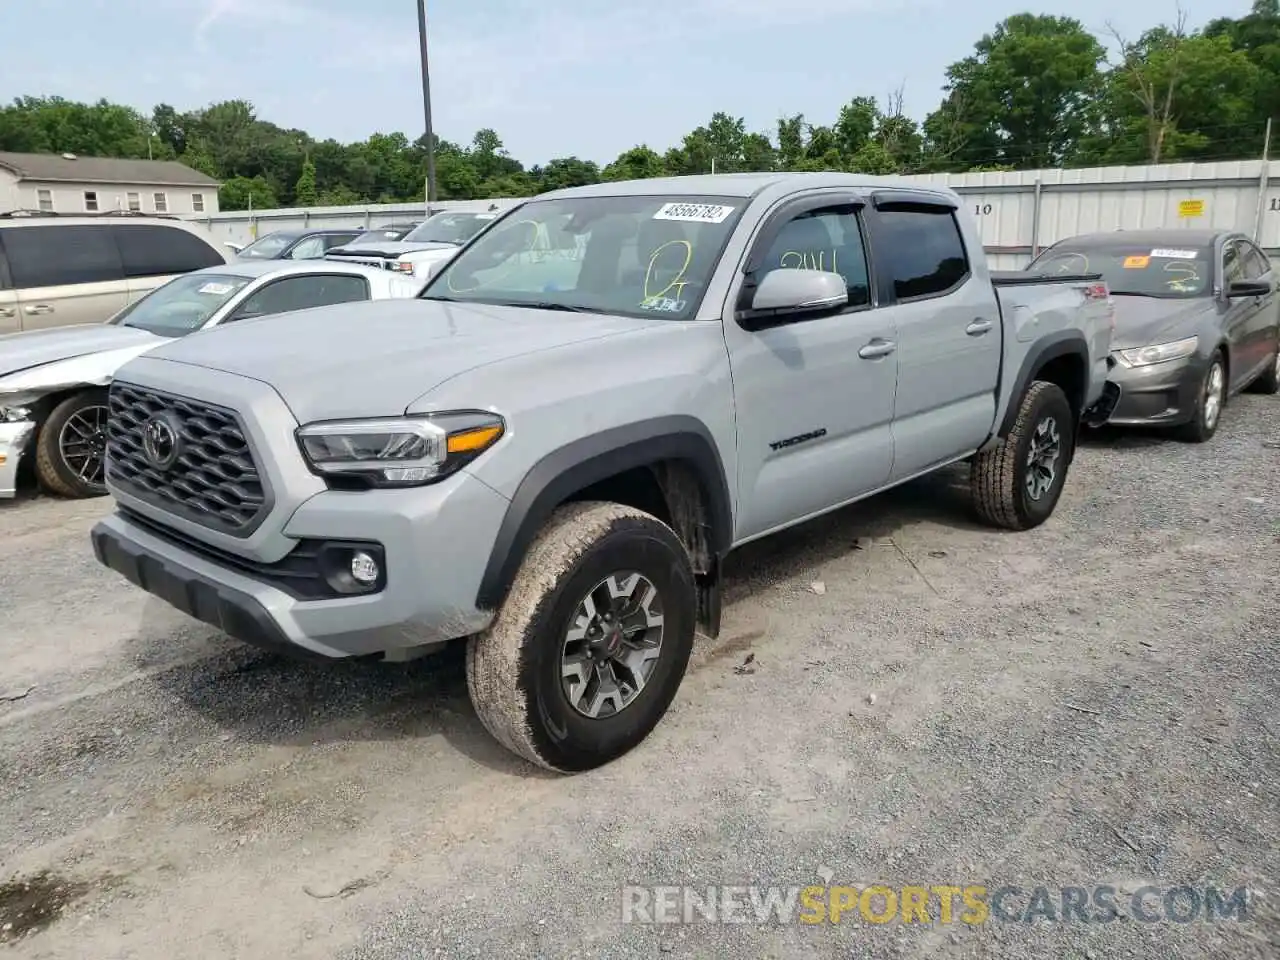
column 208, row 475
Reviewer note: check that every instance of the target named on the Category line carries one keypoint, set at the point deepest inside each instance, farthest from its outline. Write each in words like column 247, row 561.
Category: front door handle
column 877, row 348
column 978, row 327
column 39, row 308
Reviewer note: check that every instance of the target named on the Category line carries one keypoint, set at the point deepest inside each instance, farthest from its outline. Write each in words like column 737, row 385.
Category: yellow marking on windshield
column 678, row 283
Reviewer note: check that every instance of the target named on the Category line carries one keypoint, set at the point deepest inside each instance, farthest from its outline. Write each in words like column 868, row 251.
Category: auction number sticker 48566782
column 694, row 212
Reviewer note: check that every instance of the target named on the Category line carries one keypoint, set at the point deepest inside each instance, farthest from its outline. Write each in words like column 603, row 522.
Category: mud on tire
column 998, row 478
column 514, row 669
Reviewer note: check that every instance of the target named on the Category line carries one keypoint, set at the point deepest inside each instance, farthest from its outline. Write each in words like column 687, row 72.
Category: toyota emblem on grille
column 160, row 442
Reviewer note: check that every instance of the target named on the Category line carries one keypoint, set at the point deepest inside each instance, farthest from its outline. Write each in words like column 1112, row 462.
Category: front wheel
column 592, row 642
column 1017, row 483
column 71, row 447
column 1210, row 399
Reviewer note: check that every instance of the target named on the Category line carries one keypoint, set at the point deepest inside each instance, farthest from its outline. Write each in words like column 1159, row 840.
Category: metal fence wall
column 1018, row 213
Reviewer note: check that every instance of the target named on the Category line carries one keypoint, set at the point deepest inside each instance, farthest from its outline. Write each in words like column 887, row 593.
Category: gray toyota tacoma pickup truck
column 552, row 449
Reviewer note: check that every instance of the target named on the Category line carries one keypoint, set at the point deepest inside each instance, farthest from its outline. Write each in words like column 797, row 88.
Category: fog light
column 364, row 569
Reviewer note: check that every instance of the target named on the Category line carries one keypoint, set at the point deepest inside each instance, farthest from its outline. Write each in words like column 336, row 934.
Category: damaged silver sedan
column 53, row 383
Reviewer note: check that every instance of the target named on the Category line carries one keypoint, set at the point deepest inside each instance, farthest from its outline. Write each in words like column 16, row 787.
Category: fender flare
column 1063, row 343
column 581, row 463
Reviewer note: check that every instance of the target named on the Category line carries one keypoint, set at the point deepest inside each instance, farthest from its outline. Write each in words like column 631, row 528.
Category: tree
column 304, row 192
column 244, row 193
column 638, row 163
column 1024, row 96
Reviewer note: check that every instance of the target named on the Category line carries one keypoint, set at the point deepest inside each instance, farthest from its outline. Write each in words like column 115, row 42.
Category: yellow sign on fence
column 1191, row 208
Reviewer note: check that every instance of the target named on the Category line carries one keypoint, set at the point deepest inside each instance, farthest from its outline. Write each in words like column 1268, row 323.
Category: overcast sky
column 553, row 77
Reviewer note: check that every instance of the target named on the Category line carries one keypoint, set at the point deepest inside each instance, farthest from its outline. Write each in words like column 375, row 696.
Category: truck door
column 949, row 334
column 814, row 396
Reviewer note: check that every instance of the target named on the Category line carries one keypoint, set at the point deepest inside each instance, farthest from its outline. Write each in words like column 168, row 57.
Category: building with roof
column 70, row 184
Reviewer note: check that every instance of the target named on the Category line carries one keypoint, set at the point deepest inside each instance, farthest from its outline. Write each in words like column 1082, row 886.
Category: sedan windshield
column 1134, row 270
column 454, row 228
column 642, row 256
column 268, row 247
column 181, row 306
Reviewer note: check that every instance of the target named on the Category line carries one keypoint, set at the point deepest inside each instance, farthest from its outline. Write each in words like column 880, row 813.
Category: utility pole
column 429, row 139
column 1264, row 181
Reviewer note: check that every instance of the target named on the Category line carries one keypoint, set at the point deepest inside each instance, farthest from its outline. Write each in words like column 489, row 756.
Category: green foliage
column 1037, row 91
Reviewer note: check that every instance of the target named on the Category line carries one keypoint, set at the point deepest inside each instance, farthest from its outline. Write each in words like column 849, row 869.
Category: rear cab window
column 921, row 248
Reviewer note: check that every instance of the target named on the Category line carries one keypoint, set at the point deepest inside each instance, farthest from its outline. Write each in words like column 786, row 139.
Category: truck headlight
column 403, row 266
column 1160, row 352
column 399, row 451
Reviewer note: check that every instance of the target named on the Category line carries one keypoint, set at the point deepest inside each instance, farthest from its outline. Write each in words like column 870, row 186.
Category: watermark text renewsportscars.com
column 944, row 904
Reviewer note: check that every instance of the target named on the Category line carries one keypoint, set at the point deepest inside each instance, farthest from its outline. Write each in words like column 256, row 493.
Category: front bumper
column 1160, row 394
column 14, row 437
column 435, row 542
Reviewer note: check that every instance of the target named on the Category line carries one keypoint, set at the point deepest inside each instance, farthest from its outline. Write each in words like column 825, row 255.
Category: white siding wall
column 8, row 191
column 1068, row 202
column 69, row 197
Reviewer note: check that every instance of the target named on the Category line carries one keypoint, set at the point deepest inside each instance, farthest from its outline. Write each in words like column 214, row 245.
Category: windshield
column 641, row 256
column 182, row 305
column 454, row 228
column 267, row 248
column 1135, row 270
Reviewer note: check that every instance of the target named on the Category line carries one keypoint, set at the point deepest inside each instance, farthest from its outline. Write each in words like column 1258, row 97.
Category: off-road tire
column 513, row 668
column 997, row 477
column 1269, row 382
column 1195, row 430
column 52, row 472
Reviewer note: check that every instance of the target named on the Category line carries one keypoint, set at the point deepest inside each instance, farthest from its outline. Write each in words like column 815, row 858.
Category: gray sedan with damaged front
column 1196, row 321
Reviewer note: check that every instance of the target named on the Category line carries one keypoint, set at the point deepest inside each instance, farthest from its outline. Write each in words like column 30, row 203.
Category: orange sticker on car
column 1136, row 263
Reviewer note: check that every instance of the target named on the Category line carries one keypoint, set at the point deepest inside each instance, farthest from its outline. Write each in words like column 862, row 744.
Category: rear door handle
column 877, row 348
column 978, row 327
column 39, row 308
column 8, row 312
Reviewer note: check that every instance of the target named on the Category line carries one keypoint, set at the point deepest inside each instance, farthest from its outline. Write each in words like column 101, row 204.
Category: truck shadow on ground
column 271, row 699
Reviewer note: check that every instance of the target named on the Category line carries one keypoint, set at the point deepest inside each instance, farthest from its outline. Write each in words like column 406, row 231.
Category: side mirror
column 1237, row 289
column 785, row 293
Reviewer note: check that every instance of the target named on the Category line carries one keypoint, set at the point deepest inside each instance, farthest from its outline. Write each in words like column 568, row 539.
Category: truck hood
column 1142, row 321
column 375, row 359
column 39, row 348
column 390, row 249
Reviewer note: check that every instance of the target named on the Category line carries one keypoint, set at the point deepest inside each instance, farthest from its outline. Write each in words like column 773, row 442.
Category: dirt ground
column 926, row 702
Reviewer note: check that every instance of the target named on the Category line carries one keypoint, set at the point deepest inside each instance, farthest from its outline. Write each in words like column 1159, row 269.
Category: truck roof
column 744, row 185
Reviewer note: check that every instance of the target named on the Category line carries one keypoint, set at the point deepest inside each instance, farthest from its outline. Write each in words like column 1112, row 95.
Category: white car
column 53, row 397
column 422, row 251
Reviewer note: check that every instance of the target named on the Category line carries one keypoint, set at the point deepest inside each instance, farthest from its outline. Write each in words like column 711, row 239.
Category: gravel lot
column 1094, row 702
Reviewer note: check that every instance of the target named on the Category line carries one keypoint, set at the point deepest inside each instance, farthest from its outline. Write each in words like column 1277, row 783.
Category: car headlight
column 1160, row 352
column 403, row 266
column 399, row 451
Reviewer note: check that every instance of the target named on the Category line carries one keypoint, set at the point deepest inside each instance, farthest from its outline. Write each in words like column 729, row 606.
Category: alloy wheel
column 1042, row 458
column 612, row 645
column 1214, row 388
column 82, row 444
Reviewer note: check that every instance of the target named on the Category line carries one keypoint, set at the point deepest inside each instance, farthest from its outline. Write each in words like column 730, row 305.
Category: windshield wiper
column 545, row 305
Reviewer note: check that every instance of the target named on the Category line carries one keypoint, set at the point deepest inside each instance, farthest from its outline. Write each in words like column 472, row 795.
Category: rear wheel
column 1210, row 400
column 71, row 447
column 592, row 642
column 1016, row 485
